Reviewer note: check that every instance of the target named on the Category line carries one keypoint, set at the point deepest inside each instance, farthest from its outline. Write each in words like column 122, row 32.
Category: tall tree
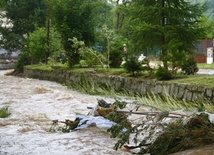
column 36, row 45
column 76, row 18
column 24, row 16
column 119, row 12
column 170, row 25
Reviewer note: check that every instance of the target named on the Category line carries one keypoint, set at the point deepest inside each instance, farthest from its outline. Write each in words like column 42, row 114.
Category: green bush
column 4, row 112
column 115, row 58
column 23, row 60
column 133, row 65
column 81, row 52
column 190, row 66
column 163, row 74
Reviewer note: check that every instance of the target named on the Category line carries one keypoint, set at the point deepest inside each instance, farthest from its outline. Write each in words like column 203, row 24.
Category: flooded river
column 35, row 103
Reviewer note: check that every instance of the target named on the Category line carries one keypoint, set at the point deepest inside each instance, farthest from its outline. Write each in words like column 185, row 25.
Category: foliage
column 115, row 58
column 178, row 135
column 75, row 18
column 34, row 50
column 116, row 53
column 112, row 46
column 208, row 26
column 170, row 25
column 80, row 51
column 123, row 127
column 146, row 66
column 105, row 10
column 4, row 112
column 70, row 125
column 54, row 58
column 162, row 138
column 24, row 16
column 108, row 37
column 119, row 13
column 177, row 58
column 89, row 86
column 23, row 60
column 10, row 41
column 163, row 74
column 93, row 58
column 133, row 65
column 190, row 66
column 36, row 44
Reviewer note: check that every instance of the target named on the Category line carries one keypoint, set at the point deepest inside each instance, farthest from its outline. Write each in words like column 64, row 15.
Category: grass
column 4, row 112
column 152, row 101
column 205, row 66
column 199, row 80
column 38, row 66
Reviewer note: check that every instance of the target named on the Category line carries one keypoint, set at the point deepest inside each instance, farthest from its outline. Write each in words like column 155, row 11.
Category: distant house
column 201, row 50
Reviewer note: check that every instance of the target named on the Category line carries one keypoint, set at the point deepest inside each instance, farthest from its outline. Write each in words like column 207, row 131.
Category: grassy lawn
column 200, row 80
column 205, row 66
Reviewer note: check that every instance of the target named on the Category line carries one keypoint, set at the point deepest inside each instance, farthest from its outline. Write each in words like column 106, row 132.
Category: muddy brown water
column 35, row 103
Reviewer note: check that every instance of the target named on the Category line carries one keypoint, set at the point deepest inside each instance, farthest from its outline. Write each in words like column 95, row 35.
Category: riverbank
column 33, row 105
column 66, row 102
column 180, row 91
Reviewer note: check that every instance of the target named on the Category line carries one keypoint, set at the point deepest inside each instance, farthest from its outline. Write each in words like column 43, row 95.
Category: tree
column 119, row 12
column 208, row 24
column 105, row 10
column 75, row 18
column 35, row 45
column 24, row 16
column 168, row 24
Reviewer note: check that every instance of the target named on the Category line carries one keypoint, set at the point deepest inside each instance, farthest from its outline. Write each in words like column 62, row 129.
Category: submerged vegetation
column 159, row 137
column 4, row 112
column 103, row 48
column 181, row 134
column 156, row 102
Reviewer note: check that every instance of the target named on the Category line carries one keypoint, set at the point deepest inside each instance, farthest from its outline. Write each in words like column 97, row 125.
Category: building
column 201, row 50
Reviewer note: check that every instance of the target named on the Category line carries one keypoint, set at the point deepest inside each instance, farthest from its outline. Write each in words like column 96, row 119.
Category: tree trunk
column 164, row 51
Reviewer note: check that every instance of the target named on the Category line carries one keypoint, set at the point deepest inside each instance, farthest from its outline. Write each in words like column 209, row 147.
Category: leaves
column 4, row 112
column 169, row 25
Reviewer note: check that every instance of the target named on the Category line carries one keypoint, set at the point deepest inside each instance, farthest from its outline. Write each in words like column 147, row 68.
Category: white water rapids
column 35, row 103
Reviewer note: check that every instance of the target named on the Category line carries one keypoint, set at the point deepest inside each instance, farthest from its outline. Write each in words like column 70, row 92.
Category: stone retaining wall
column 180, row 91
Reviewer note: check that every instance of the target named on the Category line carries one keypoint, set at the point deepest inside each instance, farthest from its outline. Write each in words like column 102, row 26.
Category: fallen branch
column 171, row 115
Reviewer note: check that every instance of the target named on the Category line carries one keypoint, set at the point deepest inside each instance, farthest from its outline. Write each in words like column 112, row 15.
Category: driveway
column 206, row 71
column 201, row 71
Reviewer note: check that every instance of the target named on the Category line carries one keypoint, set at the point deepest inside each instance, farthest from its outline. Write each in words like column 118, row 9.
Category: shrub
column 133, row 65
column 23, row 60
column 163, row 73
column 190, row 66
column 115, row 58
column 4, row 112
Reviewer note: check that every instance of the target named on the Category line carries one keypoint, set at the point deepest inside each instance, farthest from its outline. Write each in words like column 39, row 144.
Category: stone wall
column 180, row 91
